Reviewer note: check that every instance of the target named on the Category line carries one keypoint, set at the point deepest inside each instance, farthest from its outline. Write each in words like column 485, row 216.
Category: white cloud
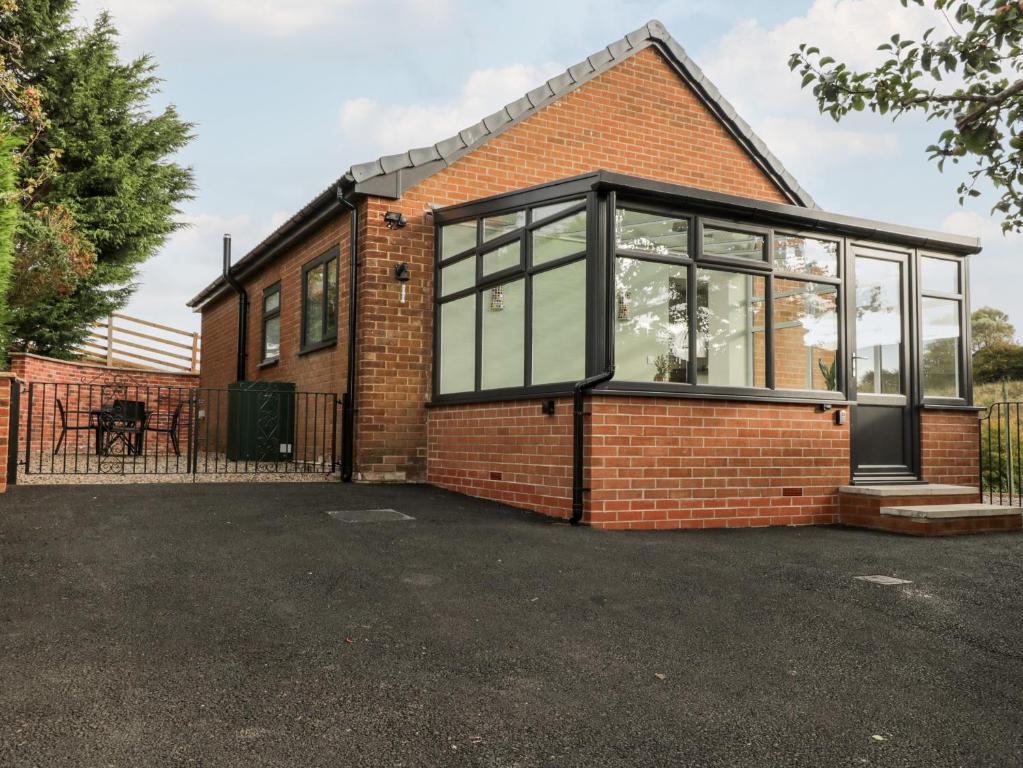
column 379, row 128
column 272, row 18
column 819, row 145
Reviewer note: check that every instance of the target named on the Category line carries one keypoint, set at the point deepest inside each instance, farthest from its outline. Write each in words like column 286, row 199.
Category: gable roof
column 390, row 176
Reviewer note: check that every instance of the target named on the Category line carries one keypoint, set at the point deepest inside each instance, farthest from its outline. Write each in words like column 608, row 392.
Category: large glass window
column 504, row 324
column 939, row 275
column 551, row 290
column 457, row 360
column 651, row 321
column 807, row 255
column 805, row 318
column 733, row 244
column 319, row 302
column 941, row 343
column 730, row 346
column 457, row 238
column 559, row 330
column 878, row 326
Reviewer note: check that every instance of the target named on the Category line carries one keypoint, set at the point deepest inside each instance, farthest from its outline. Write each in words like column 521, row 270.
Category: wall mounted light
column 395, row 220
column 402, row 274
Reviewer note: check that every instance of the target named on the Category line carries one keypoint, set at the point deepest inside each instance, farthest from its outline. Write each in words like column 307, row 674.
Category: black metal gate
column 1001, row 439
column 124, row 429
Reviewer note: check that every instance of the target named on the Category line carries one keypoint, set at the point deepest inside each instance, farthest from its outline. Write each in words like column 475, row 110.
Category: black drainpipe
column 348, row 399
column 243, row 308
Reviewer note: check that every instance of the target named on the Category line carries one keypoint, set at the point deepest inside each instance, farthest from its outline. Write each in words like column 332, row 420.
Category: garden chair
column 172, row 428
column 65, row 427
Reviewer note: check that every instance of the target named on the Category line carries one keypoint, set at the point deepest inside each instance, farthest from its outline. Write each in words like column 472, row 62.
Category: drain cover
column 882, row 580
column 368, row 515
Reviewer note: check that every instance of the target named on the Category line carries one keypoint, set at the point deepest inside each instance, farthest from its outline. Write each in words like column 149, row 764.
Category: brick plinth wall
column 6, row 381
column 949, row 443
column 84, row 386
column 508, row 452
column 668, row 463
column 651, row 462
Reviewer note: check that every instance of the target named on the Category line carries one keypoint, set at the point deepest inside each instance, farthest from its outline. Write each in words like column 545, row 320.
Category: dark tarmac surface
column 240, row 625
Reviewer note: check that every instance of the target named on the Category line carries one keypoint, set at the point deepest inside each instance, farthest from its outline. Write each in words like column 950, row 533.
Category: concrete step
column 952, row 511
column 915, row 490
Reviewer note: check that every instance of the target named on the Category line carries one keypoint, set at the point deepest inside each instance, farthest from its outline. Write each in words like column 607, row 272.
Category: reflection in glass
column 546, row 211
column 940, row 358
column 559, row 324
column 456, row 238
column 805, row 335
column 806, row 254
column 272, row 338
column 939, row 275
column 731, row 346
column 652, row 233
column 504, row 335
column 496, row 226
column 735, row 245
column 878, row 326
column 458, row 345
column 314, row 305
column 559, row 239
column 651, row 321
column 458, row 276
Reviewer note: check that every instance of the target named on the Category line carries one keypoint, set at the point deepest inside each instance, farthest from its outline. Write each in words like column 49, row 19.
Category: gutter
column 578, row 433
column 348, row 406
column 243, row 309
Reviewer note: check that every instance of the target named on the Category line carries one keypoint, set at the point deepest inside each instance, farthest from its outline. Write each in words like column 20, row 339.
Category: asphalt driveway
column 234, row 625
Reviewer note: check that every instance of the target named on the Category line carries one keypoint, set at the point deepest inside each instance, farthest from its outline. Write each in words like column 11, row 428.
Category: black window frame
column 327, row 339
column 265, row 317
column 964, row 368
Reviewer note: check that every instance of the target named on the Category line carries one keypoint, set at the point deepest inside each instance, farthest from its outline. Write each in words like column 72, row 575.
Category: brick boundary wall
column 6, row 380
column 949, row 447
column 93, row 378
column 651, row 462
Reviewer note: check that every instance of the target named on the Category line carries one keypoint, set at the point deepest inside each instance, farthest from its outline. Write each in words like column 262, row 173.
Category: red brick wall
column 5, row 425
column 949, row 444
column 509, row 452
column 638, row 118
column 651, row 462
column 84, row 386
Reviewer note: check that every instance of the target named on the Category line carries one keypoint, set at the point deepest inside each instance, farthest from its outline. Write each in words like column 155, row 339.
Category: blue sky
column 286, row 96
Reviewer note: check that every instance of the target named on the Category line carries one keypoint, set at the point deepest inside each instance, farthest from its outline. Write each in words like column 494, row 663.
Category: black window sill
column 317, row 346
column 269, row 363
column 937, row 405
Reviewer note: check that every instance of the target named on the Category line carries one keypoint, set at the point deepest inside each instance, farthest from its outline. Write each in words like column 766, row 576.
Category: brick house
column 520, row 328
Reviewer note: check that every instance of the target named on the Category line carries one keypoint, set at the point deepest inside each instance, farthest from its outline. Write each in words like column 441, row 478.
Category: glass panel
column 502, row 225
column 878, row 326
column 331, row 329
column 456, row 238
column 806, row 254
column 730, row 339
column 652, row 233
column 546, row 211
column 939, row 275
column 736, row 245
column 314, row 305
column 561, row 238
column 272, row 301
column 504, row 335
column 458, row 276
column 805, row 335
column 458, row 345
column 559, row 324
column 272, row 338
column 504, row 257
column 940, row 358
column 651, row 321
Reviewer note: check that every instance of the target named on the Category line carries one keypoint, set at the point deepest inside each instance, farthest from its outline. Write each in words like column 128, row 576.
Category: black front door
column 883, row 436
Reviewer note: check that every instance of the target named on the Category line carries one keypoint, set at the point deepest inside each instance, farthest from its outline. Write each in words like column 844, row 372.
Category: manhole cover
column 882, row 580
column 368, row 515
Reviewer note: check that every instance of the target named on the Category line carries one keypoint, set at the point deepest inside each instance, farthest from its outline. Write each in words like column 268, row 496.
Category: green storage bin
column 260, row 421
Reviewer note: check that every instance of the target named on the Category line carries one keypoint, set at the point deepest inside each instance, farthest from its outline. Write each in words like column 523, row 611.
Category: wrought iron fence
column 75, row 429
column 1001, row 468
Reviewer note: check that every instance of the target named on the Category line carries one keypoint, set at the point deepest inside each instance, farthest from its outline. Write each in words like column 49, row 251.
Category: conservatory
column 642, row 289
